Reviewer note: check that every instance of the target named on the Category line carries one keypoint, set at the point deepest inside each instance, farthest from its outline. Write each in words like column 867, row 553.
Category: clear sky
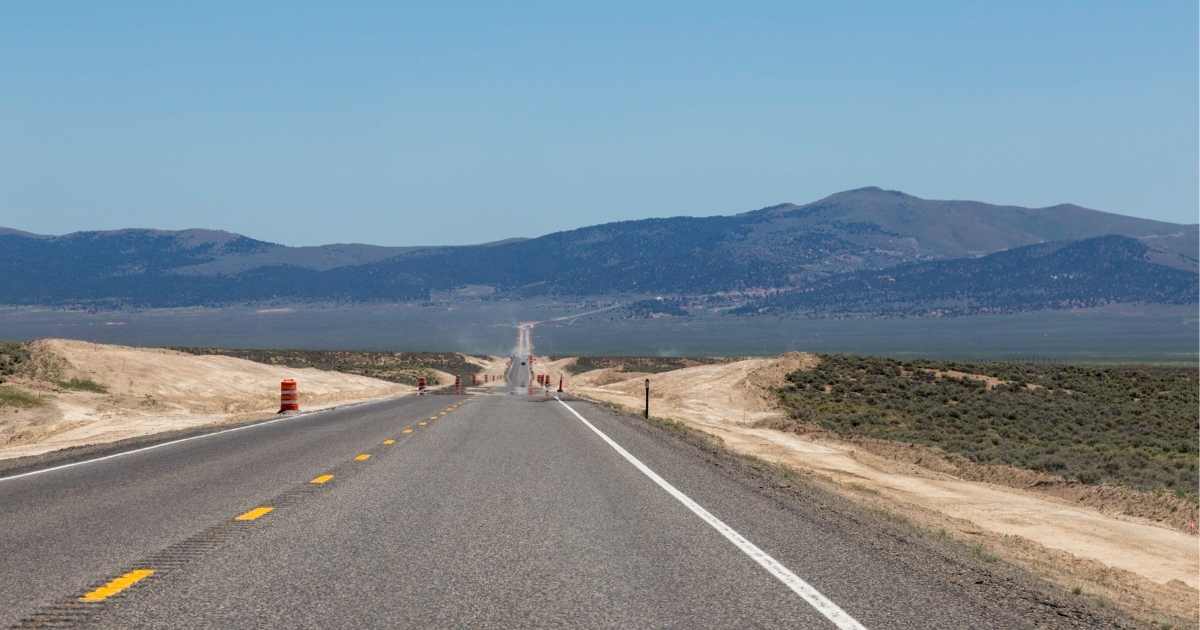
column 387, row 123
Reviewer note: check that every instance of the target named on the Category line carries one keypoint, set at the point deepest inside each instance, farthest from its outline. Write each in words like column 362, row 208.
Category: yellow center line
column 407, row 430
column 256, row 513
column 421, row 424
column 362, row 457
column 389, row 441
column 321, row 479
column 117, row 585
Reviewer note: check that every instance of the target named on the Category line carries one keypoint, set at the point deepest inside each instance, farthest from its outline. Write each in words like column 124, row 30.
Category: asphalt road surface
column 490, row 510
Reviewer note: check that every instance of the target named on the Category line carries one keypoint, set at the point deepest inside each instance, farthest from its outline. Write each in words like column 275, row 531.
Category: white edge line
column 806, row 591
column 188, row 439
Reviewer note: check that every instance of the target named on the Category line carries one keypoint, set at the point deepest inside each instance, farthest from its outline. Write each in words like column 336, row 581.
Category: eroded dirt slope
column 128, row 392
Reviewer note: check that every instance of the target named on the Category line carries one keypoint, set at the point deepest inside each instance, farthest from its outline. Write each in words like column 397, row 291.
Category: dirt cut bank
column 79, row 393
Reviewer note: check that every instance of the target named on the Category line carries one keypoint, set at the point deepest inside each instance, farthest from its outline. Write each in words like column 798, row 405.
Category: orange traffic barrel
column 289, row 396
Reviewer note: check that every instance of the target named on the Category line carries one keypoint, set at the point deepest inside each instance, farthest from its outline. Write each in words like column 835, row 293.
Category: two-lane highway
column 490, row 511
column 518, row 376
column 64, row 529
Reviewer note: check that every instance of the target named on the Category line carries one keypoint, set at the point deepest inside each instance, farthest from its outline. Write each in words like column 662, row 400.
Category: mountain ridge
column 780, row 247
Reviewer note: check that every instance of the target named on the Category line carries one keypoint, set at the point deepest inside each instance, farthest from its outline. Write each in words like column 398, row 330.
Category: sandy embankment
column 555, row 370
column 151, row 390
column 492, row 367
column 1137, row 563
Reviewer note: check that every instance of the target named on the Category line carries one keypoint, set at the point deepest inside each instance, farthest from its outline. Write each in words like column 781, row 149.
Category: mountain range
column 1057, row 275
column 868, row 251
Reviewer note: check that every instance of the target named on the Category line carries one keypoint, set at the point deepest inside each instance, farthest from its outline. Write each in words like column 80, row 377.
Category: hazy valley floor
column 1114, row 333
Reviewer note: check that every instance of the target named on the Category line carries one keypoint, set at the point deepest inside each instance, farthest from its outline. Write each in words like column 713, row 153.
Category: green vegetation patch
column 642, row 364
column 13, row 356
column 82, row 385
column 1129, row 425
column 398, row 367
column 13, row 397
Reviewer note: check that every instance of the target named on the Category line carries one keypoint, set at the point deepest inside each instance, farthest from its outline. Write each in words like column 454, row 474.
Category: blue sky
column 397, row 124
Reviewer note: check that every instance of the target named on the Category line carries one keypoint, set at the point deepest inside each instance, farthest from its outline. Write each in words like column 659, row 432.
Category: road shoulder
column 968, row 571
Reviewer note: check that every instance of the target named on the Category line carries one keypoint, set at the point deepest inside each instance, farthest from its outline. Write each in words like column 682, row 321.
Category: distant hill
column 778, row 246
column 782, row 247
column 952, row 229
column 1072, row 274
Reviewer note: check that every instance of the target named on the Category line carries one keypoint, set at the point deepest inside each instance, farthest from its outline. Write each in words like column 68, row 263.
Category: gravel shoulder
column 974, row 577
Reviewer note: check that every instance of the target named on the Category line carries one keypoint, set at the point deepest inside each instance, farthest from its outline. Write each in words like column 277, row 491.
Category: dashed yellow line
column 117, row 585
column 127, row 580
column 254, row 514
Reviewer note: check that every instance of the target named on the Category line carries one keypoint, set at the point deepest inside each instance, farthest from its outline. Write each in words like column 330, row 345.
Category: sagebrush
column 1130, row 425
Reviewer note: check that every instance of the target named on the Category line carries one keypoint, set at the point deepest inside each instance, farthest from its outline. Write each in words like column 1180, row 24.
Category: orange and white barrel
column 289, row 396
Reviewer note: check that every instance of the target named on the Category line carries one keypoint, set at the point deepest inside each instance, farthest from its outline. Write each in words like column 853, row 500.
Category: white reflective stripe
column 806, row 591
